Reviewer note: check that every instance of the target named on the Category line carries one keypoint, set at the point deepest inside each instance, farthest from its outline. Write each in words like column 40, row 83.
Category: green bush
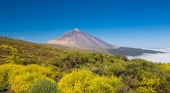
column 3, row 85
column 115, row 69
column 43, row 86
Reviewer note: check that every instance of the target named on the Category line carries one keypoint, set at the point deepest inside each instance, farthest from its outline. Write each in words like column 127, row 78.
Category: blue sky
column 130, row 23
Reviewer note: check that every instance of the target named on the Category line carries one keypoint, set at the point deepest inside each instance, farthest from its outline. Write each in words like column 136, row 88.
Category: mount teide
column 76, row 38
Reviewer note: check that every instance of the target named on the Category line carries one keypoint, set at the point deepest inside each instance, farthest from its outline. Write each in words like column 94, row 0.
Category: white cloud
column 21, row 38
column 159, row 57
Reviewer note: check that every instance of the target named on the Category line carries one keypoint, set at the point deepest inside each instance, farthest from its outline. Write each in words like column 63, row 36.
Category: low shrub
column 43, row 86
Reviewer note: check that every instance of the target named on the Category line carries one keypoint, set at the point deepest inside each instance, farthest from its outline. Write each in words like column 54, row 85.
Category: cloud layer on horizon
column 159, row 57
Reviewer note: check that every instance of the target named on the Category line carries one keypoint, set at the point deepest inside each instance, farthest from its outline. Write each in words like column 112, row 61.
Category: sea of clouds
column 159, row 57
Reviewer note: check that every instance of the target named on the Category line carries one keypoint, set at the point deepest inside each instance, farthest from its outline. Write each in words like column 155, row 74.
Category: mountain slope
column 76, row 38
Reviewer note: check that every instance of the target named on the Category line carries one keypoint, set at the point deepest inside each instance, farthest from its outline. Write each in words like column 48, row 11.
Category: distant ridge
column 41, row 52
column 77, row 38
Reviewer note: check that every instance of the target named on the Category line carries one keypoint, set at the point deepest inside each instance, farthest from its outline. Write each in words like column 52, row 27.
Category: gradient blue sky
column 130, row 23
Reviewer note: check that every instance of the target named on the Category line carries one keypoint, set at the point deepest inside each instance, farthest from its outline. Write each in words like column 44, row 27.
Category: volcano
column 77, row 38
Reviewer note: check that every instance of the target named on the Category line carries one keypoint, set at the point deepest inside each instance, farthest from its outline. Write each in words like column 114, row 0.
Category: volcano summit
column 77, row 38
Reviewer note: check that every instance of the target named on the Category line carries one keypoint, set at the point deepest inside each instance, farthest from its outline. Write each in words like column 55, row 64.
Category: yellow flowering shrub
column 75, row 82
column 21, row 78
column 104, row 85
column 12, row 51
column 23, row 82
column 148, row 85
column 166, row 67
column 5, row 71
column 83, row 81
column 46, row 71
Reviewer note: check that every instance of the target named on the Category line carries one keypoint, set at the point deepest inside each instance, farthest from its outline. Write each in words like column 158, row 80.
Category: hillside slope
column 26, row 51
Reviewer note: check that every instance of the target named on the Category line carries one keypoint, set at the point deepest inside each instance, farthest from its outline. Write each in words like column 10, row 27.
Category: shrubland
column 28, row 68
